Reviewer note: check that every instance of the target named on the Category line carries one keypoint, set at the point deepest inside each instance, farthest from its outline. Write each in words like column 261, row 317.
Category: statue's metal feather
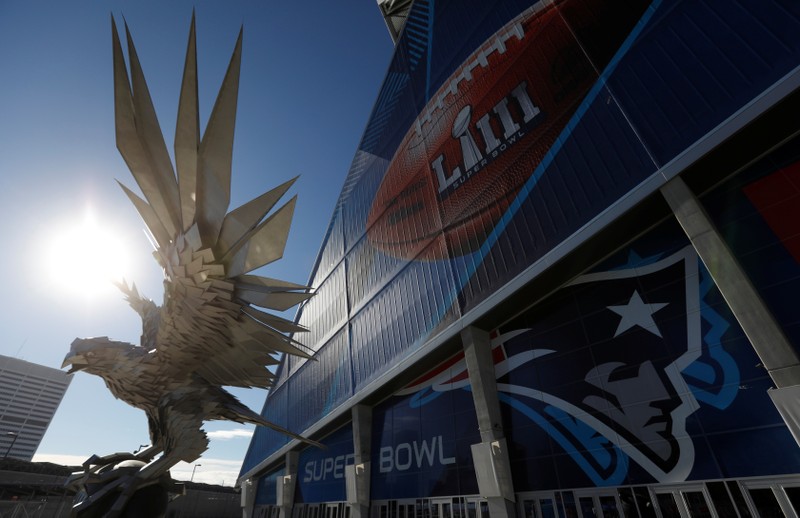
column 206, row 335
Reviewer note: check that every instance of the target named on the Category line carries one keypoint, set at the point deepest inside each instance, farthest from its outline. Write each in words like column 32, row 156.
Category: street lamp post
column 193, row 469
column 14, row 435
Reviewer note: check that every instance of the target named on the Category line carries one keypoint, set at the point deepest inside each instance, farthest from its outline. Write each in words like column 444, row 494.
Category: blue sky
column 310, row 75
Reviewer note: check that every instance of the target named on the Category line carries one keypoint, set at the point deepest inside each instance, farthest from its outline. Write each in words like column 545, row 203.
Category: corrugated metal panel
column 701, row 61
column 265, row 440
column 401, row 317
column 325, row 312
column 324, row 383
column 367, row 271
column 356, row 209
column 332, row 251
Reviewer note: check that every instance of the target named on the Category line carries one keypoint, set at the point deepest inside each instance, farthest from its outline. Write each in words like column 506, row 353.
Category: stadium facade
column 29, row 397
column 562, row 275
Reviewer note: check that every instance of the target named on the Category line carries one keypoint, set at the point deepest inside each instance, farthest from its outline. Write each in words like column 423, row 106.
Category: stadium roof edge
column 394, row 13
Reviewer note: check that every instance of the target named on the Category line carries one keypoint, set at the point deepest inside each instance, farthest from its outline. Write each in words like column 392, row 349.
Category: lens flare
column 85, row 258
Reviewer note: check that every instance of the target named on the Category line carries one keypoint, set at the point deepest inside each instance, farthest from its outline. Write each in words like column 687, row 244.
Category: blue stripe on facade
column 530, row 184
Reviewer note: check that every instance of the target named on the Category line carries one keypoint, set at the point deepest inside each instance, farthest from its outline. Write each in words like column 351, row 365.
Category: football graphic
column 480, row 137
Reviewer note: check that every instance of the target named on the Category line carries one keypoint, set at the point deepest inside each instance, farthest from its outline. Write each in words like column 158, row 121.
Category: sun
column 85, row 258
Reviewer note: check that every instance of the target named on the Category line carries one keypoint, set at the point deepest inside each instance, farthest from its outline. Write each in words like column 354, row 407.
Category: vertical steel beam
column 776, row 353
column 248, row 498
column 358, row 475
column 287, row 484
column 492, row 465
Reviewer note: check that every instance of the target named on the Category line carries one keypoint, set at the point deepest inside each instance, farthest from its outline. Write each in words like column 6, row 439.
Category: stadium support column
column 287, row 484
column 490, row 456
column 358, row 475
column 776, row 353
column 248, row 498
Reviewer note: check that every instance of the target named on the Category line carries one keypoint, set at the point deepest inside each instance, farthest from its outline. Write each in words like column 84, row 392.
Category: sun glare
column 85, row 258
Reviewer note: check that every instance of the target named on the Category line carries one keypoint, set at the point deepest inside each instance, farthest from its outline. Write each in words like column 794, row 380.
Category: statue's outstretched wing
column 208, row 323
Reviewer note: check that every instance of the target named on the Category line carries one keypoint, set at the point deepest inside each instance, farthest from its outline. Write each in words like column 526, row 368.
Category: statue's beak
column 76, row 361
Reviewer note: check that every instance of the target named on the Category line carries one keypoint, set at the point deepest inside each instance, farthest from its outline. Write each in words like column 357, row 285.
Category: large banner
column 502, row 129
column 421, row 445
column 490, row 125
column 633, row 373
column 320, row 472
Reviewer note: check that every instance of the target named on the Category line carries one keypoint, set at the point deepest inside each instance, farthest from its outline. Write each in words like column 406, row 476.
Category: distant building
column 38, row 489
column 29, row 396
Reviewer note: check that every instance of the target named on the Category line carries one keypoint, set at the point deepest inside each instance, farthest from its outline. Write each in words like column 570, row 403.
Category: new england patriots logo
column 599, row 367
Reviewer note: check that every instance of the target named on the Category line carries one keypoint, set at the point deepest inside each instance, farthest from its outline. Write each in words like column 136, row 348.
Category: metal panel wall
column 325, row 383
column 502, row 129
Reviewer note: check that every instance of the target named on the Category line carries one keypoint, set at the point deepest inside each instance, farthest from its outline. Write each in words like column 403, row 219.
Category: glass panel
column 794, row 497
column 347, row 512
column 587, row 507
column 546, row 504
column 384, row 511
column 738, row 498
column 643, row 502
column 609, row 506
column 528, row 508
column 721, row 499
column 766, row 503
column 446, row 511
column 627, row 502
column 484, row 510
column 696, row 502
column 426, row 510
column 566, row 501
column 471, row 510
column 669, row 508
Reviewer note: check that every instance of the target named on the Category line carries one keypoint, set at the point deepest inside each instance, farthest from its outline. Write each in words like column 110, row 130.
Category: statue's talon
column 108, row 487
column 128, row 489
column 93, row 460
column 148, row 453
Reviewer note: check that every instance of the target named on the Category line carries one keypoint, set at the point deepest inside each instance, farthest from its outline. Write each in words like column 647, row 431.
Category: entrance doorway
column 599, row 504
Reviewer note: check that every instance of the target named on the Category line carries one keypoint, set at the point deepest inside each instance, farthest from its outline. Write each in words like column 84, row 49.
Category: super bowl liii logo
column 472, row 158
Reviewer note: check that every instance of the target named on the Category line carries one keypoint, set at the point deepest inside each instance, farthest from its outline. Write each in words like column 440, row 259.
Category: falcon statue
column 207, row 334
